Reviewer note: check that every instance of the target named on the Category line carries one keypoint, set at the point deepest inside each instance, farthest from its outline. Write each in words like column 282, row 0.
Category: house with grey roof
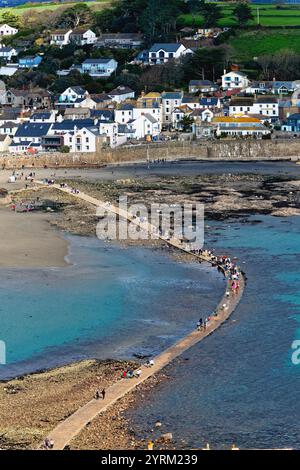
column 202, row 86
column 121, row 93
column 160, row 53
column 29, row 137
column 170, row 101
column 103, row 67
column 7, row 53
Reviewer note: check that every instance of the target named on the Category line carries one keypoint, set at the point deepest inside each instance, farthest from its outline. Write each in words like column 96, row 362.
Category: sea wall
column 286, row 149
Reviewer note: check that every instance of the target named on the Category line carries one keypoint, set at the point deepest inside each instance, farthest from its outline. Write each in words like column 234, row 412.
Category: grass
column 250, row 44
column 19, row 10
column 269, row 16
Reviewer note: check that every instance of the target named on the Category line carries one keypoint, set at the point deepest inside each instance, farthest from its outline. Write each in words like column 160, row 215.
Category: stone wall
column 288, row 149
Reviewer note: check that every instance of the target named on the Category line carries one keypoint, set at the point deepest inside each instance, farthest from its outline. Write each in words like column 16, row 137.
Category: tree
column 75, row 16
column 211, row 14
column 243, row 13
column 186, row 123
column 159, row 19
column 10, row 19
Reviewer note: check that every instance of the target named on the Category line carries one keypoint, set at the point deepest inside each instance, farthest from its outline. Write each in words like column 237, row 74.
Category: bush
column 64, row 149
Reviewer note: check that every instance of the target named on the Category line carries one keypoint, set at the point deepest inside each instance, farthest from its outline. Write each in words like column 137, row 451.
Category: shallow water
column 240, row 385
column 111, row 302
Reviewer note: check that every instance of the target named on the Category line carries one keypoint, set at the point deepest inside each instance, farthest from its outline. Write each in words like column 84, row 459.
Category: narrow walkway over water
column 71, row 426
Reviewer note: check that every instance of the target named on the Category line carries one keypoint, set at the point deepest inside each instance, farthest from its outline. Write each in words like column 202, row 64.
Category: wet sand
column 29, row 241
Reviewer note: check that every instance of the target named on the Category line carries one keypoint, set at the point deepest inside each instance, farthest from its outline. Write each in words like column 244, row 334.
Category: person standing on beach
column 103, row 393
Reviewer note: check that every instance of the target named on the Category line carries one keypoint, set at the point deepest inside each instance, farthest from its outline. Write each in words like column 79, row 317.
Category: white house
column 7, row 53
column 170, row 101
column 103, row 67
column 124, row 113
column 81, row 36
column 266, row 106
column 234, row 79
column 83, row 140
column 121, row 93
column 161, row 53
column 29, row 137
column 72, row 94
column 143, row 126
column 60, row 37
column 6, row 30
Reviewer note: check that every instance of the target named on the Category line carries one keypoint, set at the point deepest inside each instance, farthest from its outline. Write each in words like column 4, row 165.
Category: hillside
column 38, row 6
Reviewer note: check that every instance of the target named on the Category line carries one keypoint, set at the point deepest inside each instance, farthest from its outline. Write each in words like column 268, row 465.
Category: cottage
column 7, row 53
column 8, row 70
column 120, row 40
column 104, row 67
column 30, row 61
column 283, row 88
column 234, row 79
column 60, row 37
column 202, row 86
column 72, row 94
column 33, row 98
column 6, row 30
column 8, row 128
column 240, row 105
column 94, row 101
column 121, row 93
column 161, row 53
column 124, row 113
column 266, row 106
column 292, row 124
column 144, row 126
column 240, row 127
column 29, row 137
column 77, row 113
column 81, row 37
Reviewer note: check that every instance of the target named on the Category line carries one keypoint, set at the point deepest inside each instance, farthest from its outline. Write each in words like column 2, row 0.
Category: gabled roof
column 209, row 101
column 103, row 114
column 120, row 90
column 7, row 49
column 266, row 99
column 69, row 124
column 201, row 83
column 32, row 129
column 172, row 95
column 78, row 90
column 103, row 60
column 150, row 118
column 167, row 47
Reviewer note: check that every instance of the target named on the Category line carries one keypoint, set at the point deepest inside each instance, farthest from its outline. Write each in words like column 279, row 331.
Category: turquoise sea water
column 240, row 385
column 110, row 302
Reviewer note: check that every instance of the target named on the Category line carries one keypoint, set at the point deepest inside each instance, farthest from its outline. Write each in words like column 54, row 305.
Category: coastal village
column 35, row 120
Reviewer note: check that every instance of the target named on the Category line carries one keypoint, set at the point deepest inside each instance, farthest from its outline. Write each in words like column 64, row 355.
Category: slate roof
column 167, row 47
column 32, row 129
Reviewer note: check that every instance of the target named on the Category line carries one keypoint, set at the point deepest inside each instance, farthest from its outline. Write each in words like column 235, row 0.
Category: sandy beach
column 28, row 240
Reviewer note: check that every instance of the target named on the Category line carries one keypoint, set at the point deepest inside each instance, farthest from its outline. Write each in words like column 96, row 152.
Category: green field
column 96, row 5
column 250, row 44
column 269, row 15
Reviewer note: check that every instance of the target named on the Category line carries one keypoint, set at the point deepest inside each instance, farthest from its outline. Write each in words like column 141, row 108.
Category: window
column 87, row 139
